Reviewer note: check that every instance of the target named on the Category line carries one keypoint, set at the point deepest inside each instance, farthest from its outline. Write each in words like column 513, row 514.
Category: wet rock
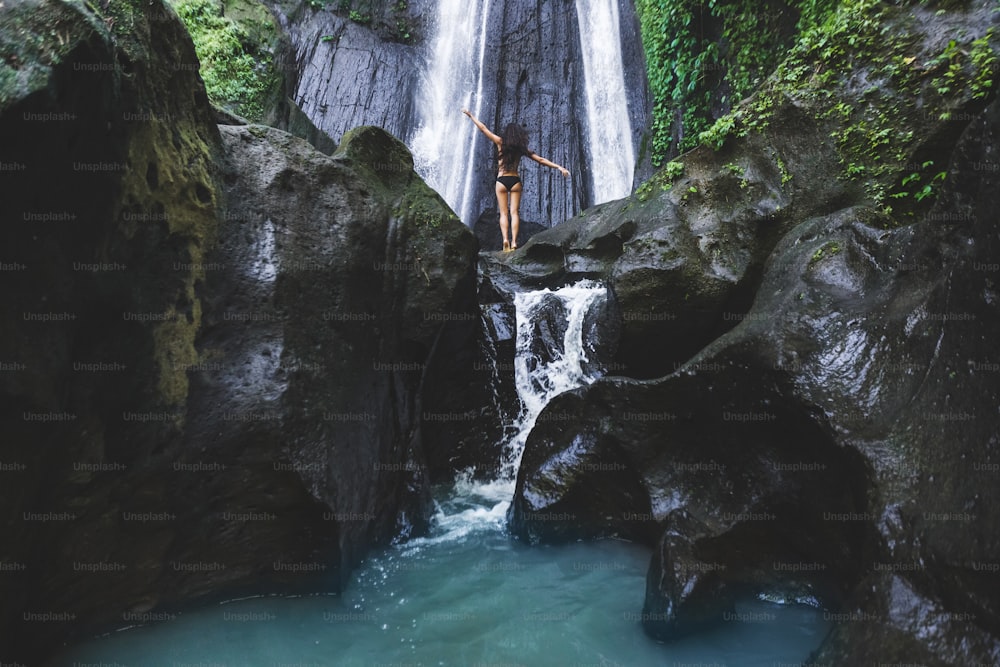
column 233, row 338
column 684, row 593
column 751, row 472
column 338, row 276
column 108, row 207
column 343, row 74
column 487, row 230
column 879, row 625
column 837, row 431
column 828, row 416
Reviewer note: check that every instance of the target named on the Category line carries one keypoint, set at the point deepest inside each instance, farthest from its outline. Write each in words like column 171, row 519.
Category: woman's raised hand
column 565, row 171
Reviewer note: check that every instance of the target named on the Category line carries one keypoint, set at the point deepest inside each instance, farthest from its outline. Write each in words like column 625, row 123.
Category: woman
column 511, row 147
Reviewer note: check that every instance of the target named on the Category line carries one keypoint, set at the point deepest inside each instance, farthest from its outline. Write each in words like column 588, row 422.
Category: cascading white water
column 609, row 130
column 539, row 378
column 543, row 368
column 442, row 145
column 443, row 141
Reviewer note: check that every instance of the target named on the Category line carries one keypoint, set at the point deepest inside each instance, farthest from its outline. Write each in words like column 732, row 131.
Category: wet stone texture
column 817, row 412
column 242, row 336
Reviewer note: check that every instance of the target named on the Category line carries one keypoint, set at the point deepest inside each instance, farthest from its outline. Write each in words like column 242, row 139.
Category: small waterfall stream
column 541, row 372
column 467, row 594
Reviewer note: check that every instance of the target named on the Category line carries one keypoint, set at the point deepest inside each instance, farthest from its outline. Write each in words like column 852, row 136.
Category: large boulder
column 110, row 201
column 220, row 344
column 335, row 281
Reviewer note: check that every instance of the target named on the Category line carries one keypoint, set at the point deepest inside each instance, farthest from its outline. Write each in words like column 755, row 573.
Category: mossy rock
column 36, row 37
column 107, row 131
column 382, row 156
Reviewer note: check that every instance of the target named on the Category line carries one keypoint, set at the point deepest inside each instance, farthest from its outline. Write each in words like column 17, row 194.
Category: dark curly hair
column 514, row 146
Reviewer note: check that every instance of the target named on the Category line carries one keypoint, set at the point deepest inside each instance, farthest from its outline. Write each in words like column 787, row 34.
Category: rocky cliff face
column 110, row 199
column 352, row 73
column 820, row 417
column 344, row 74
column 218, row 344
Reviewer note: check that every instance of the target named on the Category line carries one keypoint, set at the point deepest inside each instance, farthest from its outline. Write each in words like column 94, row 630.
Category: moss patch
column 390, row 19
column 866, row 75
column 662, row 180
column 28, row 54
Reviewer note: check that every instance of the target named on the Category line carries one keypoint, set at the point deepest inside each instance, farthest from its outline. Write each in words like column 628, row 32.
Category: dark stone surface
column 841, row 428
column 344, row 74
column 819, row 418
column 241, row 336
column 105, row 217
column 487, row 231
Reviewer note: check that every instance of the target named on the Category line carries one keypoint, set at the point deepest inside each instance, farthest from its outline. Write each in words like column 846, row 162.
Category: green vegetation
column 236, row 63
column 705, row 53
column 856, row 32
column 874, row 139
column 826, row 250
column 915, row 185
column 423, row 211
column 786, row 176
column 392, row 22
column 984, row 65
column 663, row 179
column 358, row 17
column 672, row 170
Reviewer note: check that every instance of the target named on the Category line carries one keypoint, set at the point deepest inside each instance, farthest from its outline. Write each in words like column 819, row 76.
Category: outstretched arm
column 549, row 163
column 482, row 128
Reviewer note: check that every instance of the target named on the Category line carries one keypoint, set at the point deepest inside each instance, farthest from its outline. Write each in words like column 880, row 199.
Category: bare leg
column 515, row 214
column 502, row 205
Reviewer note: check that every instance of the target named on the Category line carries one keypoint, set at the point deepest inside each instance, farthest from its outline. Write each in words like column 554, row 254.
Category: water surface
column 465, row 595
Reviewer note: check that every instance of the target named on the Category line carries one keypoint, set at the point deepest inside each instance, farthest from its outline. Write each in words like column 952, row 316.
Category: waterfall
column 612, row 159
column 442, row 144
column 452, row 77
column 547, row 362
column 550, row 357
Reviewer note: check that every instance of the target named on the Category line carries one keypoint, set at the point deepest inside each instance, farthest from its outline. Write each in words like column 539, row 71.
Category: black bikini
column 508, row 181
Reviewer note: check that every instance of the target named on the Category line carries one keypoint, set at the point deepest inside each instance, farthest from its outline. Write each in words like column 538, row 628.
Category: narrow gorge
column 271, row 396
